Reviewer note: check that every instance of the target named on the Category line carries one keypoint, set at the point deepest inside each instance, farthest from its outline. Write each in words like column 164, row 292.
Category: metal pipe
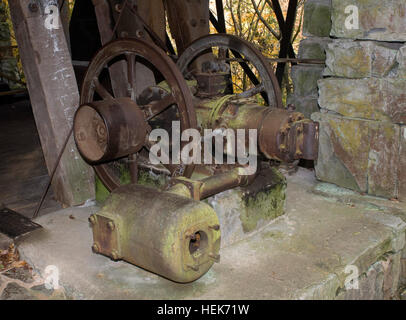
column 224, row 181
column 204, row 188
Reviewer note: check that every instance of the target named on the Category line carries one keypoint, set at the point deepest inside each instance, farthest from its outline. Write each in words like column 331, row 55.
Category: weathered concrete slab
column 302, row 255
column 374, row 99
column 378, row 20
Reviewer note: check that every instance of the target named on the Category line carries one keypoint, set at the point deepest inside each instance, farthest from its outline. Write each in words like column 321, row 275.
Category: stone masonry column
column 316, row 29
column 363, row 99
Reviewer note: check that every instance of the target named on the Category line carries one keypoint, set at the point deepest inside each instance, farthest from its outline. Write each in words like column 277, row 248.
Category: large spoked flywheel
column 237, row 53
column 112, row 76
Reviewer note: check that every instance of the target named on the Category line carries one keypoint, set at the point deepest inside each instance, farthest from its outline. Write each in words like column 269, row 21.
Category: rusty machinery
column 171, row 232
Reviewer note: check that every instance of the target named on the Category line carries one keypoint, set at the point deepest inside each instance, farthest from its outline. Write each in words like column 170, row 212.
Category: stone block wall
column 316, row 29
column 362, row 96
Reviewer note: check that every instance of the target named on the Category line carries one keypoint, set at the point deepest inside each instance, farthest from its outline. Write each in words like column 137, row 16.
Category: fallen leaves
column 10, row 258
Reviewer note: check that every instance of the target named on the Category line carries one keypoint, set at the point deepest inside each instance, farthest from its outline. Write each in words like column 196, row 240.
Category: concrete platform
column 301, row 255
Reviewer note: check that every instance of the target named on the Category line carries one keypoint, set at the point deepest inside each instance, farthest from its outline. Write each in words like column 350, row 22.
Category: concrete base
column 301, row 255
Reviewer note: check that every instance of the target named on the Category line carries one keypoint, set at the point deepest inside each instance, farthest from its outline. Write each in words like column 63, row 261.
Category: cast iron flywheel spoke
column 124, row 78
column 131, row 74
column 157, row 107
column 251, row 92
column 101, row 90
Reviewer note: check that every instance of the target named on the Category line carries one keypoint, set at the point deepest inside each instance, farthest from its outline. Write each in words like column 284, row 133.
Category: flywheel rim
column 241, row 46
column 168, row 70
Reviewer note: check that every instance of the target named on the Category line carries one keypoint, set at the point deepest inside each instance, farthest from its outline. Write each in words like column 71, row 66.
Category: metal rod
column 294, row 60
column 58, row 160
column 13, row 92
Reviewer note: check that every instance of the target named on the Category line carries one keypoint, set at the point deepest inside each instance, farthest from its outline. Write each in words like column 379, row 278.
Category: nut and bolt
column 139, row 34
column 111, row 225
column 33, row 7
column 114, row 255
column 93, row 219
column 118, row 7
column 95, row 248
column 215, row 227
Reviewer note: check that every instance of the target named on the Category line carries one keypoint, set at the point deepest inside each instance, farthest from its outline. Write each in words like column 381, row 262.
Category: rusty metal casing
column 170, row 235
column 282, row 135
column 109, row 129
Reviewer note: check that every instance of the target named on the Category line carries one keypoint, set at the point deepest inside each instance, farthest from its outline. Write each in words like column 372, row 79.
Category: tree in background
column 255, row 21
column 10, row 64
column 11, row 71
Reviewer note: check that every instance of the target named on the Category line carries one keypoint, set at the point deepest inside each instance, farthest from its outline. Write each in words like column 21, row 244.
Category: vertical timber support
column 63, row 6
column 54, row 97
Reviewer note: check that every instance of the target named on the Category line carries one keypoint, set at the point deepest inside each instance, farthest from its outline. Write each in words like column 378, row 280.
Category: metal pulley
column 109, row 129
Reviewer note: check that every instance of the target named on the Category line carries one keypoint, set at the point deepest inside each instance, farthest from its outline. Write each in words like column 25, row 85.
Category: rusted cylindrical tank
column 170, row 235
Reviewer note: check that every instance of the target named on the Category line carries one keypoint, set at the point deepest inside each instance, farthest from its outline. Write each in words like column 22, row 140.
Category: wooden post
column 54, row 97
column 64, row 11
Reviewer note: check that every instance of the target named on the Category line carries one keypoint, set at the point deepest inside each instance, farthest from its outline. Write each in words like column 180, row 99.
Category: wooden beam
column 63, row 6
column 54, row 97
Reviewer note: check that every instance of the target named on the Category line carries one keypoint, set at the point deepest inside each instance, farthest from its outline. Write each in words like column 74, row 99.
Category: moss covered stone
column 361, row 59
column 343, row 151
column 317, row 18
column 361, row 155
column 383, row 158
column 373, row 98
column 402, row 171
column 305, row 79
column 313, row 48
column 242, row 211
column 378, row 20
column 264, row 206
column 401, row 60
column 305, row 105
